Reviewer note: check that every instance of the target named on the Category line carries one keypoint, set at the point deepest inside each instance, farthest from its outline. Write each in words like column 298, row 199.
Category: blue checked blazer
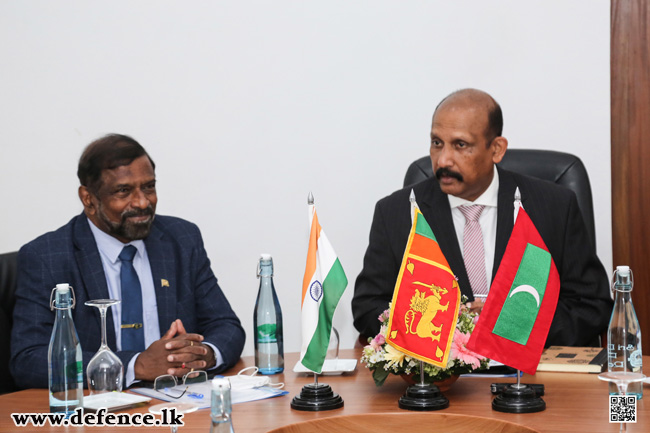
column 70, row 255
column 584, row 305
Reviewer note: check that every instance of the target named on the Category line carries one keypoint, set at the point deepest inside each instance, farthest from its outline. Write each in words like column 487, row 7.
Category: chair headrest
column 557, row 167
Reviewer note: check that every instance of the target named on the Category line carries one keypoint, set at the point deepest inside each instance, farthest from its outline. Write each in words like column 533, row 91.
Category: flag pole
column 315, row 397
column 310, row 202
column 422, row 396
column 414, row 205
column 519, row 398
column 517, row 204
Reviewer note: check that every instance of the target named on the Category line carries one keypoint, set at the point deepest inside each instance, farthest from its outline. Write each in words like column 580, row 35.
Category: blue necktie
column 132, row 331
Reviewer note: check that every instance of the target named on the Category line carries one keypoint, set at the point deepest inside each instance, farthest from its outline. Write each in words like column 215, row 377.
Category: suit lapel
column 435, row 206
column 91, row 269
column 505, row 215
column 161, row 258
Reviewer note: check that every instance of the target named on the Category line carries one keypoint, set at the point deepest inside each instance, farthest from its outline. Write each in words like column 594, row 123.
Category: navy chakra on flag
column 316, row 290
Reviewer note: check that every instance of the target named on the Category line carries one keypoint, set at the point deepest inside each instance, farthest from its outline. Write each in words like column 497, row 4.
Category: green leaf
column 379, row 375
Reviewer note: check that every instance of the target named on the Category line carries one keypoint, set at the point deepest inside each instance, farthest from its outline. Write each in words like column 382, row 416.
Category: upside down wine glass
column 622, row 379
column 105, row 369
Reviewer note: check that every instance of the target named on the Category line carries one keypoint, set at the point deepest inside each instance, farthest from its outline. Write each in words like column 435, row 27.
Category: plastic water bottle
column 624, row 333
column 221, row 407
column 64, row 359
column 267, row 318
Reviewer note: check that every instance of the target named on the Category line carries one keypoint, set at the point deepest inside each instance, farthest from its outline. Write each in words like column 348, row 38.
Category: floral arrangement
column 383, row 359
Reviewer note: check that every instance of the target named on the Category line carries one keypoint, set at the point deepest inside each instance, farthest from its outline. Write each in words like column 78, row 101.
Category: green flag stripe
column 333, row 288
column 520, row 309
column 422, row 228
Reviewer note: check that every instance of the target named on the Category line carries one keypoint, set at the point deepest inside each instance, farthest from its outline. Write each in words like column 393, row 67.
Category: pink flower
column 460, row 351
column 378, row 342
column 384, row 316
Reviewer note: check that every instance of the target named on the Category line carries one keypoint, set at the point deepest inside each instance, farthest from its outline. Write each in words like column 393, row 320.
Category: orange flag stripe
column 310, row 268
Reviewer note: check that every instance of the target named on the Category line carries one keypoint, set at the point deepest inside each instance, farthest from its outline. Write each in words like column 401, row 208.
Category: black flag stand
column 519, row 398
column 315, row 397
column 422, row 396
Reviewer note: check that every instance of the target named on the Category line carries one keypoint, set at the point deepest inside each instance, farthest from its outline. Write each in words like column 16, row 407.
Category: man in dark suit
column 183, row 322
column 466, row 143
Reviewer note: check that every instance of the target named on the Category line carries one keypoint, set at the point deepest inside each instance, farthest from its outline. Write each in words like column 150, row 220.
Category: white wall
column 247, row 106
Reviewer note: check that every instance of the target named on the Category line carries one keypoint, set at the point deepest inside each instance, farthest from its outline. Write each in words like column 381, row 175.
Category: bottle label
column 266, row 333
column 74, row 371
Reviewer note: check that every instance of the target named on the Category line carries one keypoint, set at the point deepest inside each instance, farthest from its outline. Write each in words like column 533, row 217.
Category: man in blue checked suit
column 173, row 317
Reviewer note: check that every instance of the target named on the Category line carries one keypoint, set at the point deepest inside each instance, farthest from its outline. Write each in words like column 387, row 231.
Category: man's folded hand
column 176, row 353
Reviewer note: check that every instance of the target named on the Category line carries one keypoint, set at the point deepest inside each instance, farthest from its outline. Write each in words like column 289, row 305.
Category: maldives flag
column 424, row 309
column 322, row 287
column 517, row 315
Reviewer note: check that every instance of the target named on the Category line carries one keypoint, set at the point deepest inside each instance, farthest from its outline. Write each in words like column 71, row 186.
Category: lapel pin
column 164, row 283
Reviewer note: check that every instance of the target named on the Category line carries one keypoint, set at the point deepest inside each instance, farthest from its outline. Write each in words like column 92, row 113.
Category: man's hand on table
column 176, row 353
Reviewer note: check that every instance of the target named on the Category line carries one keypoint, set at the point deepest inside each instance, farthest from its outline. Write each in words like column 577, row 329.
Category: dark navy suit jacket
column 70, row 255
column 584, row 305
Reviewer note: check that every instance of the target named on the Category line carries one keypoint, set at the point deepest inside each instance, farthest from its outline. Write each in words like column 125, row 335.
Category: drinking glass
column 622, row 379
column 105, row 369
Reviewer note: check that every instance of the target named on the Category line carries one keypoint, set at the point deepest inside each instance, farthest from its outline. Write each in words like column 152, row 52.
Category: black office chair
column 557, row 167
column 7, row 301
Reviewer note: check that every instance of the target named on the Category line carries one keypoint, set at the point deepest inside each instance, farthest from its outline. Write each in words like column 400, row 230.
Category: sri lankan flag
column 425, row 302
column 517, row 315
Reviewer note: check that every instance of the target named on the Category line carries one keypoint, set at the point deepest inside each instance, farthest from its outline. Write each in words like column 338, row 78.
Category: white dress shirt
column 487, row 221
column 109, row 250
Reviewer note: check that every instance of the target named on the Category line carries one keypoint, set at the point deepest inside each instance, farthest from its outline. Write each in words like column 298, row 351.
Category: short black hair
column 495, row 122
column 106, row 153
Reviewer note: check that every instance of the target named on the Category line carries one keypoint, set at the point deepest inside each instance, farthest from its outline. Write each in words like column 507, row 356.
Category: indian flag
column 322, row 287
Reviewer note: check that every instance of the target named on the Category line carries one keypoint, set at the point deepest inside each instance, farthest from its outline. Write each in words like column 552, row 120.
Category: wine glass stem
column 622, row 391
column 103, row 314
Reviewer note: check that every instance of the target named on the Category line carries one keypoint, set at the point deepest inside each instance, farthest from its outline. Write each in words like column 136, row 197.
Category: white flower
column 376, row 357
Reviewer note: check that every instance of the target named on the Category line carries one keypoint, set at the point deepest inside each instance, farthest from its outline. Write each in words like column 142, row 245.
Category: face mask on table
column 249, row 379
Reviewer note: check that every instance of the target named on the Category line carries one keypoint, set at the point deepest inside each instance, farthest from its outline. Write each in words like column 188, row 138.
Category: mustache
column 446, row 172
column 148, row 211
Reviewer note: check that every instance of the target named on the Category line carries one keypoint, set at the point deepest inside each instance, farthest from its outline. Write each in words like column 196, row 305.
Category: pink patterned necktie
column 473, row 251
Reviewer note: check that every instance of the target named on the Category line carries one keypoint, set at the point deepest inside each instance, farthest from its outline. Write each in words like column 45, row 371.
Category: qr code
column 622, row 408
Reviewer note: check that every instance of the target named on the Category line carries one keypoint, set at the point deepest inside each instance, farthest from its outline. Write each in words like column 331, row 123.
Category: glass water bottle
column 267, row 318
column 624, row 332
column 64, row 359
column 221, row 406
